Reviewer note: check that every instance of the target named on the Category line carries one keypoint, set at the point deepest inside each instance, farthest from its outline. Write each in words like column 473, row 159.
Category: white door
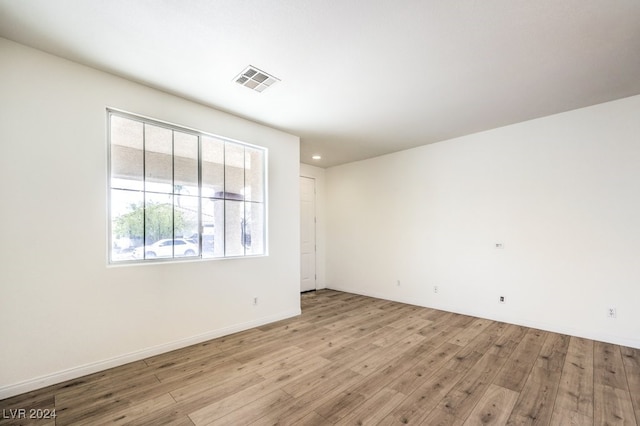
column 307, row 234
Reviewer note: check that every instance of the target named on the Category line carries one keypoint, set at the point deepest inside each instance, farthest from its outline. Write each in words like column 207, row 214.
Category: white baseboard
column 600, row 337
column 82, row 370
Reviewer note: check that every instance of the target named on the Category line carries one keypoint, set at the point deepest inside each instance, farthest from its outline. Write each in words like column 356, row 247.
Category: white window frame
column 111, row 112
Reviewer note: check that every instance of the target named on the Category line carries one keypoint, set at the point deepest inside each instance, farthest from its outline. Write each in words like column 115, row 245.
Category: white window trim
column 175, row 127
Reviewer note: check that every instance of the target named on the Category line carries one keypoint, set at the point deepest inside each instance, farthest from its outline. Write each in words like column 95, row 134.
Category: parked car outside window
column 166, row 248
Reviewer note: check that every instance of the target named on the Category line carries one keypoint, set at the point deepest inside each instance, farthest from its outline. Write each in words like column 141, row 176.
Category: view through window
column 179, row 193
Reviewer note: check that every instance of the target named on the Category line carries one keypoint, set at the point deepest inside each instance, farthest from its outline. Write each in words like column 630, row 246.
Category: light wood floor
column 351, row 359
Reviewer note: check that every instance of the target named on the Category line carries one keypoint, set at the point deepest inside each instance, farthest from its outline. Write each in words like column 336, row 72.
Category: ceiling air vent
column 255, row 79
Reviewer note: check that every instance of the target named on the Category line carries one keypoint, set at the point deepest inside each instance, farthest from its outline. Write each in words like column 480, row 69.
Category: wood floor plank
column 393, row 368
column 266, row 359
column 213, row 390
column 413, row 321
column 168, row 416
column 508, row 336
column 442, row 329
column 372, row 383
column 536, row 401
column 252, row 411
column 608, row 367
column 319, row 339
column 612, row 398
column 332, row 341
column 246, row 394
column 292, row 363
column 387, row 363
column 470, row 332
column 188, row 354
column 428, row 363
column 237, row 400
column 612, row 406
column 104, row 400
column 316, row 396
column 420, row 402
column 575, row 393
column 351, row 359
column 391, row 336
column 42, row 401
column 339, row 406
column 351, row 322
column 439, row 417
column 494, row 408
column 314, row 419
column 255, row 351
column 570, row 418
column 10, row 420
column 375, row 361
column 553, row 352
column 515, row 372
column 135, row 411
column 201, row 367
column 463, row 397
column 240, row 338
column 209, row 391
column 464, row 359
column 631, row 361
column 104, row 389
column 374, row 409
column 331, row 372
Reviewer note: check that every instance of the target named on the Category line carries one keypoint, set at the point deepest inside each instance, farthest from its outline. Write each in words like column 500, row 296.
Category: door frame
column 315, row 234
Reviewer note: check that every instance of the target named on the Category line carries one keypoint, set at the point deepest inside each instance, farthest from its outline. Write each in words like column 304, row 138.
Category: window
column 179, row 193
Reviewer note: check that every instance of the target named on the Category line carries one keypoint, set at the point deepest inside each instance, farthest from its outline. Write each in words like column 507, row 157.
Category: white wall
column 64, row 311
column 562, row 193
column 318, row 174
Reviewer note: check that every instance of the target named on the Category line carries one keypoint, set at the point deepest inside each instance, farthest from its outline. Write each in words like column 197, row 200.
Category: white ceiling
column 360, row 78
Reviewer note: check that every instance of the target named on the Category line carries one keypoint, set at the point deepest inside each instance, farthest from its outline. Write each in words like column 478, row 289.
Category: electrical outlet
column 435, row 288
column 398, row 283
column 499, row 245
column 501, row 300
column 255, row 301
column 612, row 313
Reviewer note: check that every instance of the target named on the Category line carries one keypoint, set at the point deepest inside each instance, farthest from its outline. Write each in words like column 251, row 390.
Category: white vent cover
column 255, row 79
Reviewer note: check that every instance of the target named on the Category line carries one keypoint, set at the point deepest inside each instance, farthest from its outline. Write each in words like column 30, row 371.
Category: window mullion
column 243, row 234
column 173, row 194
column 200, row 225
column 144, row 190
column 224, row 199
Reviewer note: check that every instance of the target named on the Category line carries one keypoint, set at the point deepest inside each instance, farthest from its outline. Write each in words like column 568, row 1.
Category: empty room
column 311, row 212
